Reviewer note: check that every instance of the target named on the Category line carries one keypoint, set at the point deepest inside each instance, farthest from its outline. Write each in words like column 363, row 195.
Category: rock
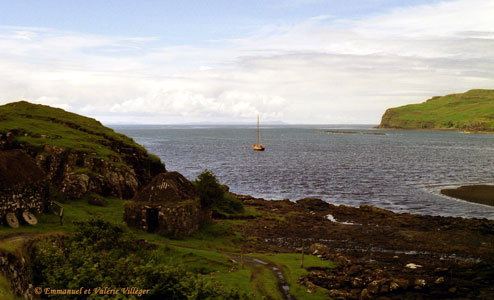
column 419, row 284
column 413, row 266
column 440, row 280
column 313, row 204
column 74, row 186
column 373, row 287
column 318, row 248
column 311, row 288
column 357, row 283
column 364, row 295
column 384, row 289
column 341, row 294
column 403, row 283
column 341, row 260
column 393, row 286
column 452, row 290
column 440, row 271
column 354, row 270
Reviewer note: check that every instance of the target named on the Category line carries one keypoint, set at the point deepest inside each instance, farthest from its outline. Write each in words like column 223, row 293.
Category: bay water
column 402, row 170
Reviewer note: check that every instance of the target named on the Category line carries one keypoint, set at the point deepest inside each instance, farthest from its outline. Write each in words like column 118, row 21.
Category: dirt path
column 258, row 265
column 18, row 236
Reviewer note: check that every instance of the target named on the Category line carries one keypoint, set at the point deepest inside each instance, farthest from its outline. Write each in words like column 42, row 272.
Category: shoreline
column 465, row 131
column 477, row 193
column 385, row 254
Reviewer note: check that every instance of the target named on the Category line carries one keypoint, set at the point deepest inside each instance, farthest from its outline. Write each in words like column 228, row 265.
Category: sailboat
column 257, row 146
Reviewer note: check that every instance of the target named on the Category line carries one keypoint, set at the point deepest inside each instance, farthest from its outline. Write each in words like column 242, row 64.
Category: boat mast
column 258, row 129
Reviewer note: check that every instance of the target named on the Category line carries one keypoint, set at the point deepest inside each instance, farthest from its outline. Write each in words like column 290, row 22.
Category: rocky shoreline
column 379, row 254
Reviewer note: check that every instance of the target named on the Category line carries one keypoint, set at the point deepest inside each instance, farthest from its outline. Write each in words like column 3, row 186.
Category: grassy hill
column 40, row 125
column 77, row 153
column 470, row 111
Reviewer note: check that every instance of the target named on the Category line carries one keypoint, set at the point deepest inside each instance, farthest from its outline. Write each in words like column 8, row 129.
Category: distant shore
column 481, row 193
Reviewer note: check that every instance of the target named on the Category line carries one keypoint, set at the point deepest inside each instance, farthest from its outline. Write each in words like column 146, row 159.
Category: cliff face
column 78, row 154
column 470, row 111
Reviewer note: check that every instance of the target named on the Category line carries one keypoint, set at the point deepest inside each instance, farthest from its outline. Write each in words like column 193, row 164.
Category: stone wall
column 33, row 198
column 178, row 220
column 16, row 270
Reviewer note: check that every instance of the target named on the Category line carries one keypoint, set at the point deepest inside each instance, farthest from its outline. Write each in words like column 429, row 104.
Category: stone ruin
column 169, row 206
column 23, row 188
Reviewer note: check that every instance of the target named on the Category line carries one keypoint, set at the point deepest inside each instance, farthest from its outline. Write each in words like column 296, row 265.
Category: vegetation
column 289, row 263
column 470, row 111
column 100, row 254
column 213, row 195
column 5, row 293
column 39, row 125
column 86, row 251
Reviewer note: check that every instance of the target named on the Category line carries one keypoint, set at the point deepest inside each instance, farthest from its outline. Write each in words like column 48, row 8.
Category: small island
column 471, row 112
column 479, row 193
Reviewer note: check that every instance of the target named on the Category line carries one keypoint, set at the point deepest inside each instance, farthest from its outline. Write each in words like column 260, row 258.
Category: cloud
column 323, row 70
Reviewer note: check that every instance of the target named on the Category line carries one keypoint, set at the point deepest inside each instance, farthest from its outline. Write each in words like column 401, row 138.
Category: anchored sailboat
column 257, row 146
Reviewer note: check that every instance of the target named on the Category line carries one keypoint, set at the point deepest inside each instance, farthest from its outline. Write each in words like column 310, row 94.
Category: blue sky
column 181, row 22
column 299, row 61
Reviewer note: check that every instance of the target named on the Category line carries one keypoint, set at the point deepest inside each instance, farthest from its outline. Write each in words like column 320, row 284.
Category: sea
column 398, row 170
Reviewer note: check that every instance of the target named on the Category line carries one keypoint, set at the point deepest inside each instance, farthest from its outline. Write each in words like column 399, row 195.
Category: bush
column 208, row 188
column 213, row 194
column 101, row 255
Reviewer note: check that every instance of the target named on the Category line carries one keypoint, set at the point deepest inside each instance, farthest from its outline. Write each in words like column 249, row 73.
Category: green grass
column 206, row 252
column 5, row 293
column 40, row 125
column 239, row 279
column 473, row 110
column 289, row 263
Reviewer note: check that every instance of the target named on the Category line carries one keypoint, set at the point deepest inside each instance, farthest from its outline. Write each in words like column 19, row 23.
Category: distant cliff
column 471, row 111
column 78, row 154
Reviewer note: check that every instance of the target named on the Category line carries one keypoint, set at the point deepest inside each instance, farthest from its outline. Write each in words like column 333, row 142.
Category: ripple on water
column 389, row 171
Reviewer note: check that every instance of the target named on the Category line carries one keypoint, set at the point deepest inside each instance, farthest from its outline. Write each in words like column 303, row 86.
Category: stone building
column 169, row 205
column 23, row 185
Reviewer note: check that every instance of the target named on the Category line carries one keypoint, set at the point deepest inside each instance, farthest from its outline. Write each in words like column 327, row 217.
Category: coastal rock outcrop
column 441, row 112
column 77, row 154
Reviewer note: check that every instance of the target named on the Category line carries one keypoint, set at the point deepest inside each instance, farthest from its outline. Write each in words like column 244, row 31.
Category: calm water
column 401, row 171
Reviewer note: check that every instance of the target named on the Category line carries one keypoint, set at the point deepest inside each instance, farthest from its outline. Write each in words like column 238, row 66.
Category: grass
column 289, row 263
column 40, row 125
column 239, row 279
column 198, row 253
column 5, row 293
column 473, row 110
column 206, row 252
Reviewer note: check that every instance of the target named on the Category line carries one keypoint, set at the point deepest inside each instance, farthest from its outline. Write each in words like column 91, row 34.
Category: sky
column 295, row 61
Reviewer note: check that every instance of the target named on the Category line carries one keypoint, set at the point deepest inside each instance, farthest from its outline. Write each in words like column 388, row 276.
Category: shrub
column 101, row 255
column 213, row 194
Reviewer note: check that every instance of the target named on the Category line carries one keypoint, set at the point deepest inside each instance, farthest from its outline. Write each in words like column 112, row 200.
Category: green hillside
column 78, row 154
column 39, row 125
column 470, row 111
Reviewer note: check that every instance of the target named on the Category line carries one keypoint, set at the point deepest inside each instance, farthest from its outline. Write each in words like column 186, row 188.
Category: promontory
column 472, row 111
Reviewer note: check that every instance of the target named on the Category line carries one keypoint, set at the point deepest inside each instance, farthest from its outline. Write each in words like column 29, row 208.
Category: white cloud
column 319, row 71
